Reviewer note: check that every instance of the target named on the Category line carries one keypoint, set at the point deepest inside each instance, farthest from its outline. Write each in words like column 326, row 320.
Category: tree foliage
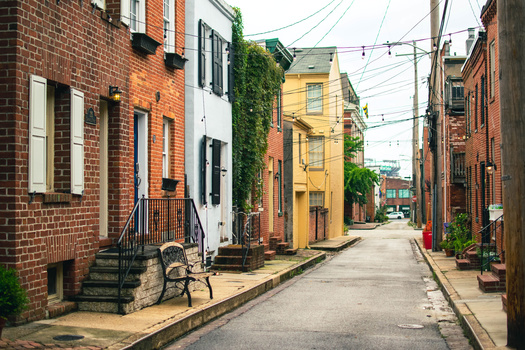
column 357, row 181
column 257, row 82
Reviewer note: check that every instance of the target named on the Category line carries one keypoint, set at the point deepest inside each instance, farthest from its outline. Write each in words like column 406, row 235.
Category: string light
column 363, row 54
column 294, row 55
column 331, row 61
column 450, row 39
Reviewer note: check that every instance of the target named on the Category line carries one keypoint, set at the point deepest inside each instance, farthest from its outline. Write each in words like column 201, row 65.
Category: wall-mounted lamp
column 277, row 175
column 114, row 93
column 491, row 168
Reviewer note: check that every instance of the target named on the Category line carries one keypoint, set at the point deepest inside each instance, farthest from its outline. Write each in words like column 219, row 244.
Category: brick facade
column 397, row 184
column 71, row 45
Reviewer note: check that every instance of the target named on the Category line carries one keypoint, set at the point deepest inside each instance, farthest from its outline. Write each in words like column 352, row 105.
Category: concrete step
column 108, row 304
column 110, row 273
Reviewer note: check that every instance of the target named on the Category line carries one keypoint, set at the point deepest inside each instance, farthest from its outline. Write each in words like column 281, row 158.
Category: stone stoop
column 494, row 282
column 141, row 289
column 269, row 255
column 230, row 258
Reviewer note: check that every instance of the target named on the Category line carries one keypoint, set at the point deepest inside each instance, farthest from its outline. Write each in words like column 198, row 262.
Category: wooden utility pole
column 511, row 16
column 415, row 147
column 437, row 155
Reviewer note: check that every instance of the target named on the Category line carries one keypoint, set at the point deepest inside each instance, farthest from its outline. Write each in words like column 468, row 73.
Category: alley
column 374, row 295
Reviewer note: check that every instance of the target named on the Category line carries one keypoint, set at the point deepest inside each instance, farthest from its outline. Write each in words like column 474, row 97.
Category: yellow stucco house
column 313, row 95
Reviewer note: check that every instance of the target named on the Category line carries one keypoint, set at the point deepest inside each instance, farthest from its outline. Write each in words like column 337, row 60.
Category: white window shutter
column 77, row 141
column 125, row 9
column 37, row 134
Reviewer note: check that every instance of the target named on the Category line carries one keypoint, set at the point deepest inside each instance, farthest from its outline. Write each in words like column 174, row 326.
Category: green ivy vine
column 257, row 80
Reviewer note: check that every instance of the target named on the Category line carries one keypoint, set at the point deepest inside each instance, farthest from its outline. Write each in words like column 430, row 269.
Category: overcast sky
column 385, row 83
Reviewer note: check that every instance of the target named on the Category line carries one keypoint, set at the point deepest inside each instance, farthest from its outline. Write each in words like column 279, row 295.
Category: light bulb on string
column 363, row 54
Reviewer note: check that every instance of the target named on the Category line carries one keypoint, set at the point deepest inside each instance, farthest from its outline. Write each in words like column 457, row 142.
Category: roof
column 312, row 60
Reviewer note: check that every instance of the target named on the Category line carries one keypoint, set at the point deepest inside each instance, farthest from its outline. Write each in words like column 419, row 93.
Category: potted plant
column 13, row 298
column 448, row 246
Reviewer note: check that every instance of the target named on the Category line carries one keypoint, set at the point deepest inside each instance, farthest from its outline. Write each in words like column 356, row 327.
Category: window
column 404, row 193
column 476, row 109
column 457, row 90
column 169, row 25
column 314, row 102
column 390, row 193
column 467, row 107
column 492, row 53
column 48, row 109
column 300, row 158
column 217, row 67
column 137, row 16
column 482, row 106
column 216, row 172
column 316, row 152
column 55, row 283
column 165, row 148
column 316, row 199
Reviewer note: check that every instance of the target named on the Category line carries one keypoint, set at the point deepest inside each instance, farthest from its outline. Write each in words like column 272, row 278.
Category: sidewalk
column 157, row 325
column 481, row 314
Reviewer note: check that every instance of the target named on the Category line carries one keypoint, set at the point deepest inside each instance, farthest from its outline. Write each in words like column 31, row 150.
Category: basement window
column 55, row 285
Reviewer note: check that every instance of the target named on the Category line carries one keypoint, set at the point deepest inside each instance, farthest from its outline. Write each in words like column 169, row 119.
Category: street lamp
column 416, row 173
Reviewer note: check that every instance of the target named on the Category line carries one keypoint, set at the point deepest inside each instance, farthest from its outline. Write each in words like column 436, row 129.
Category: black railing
column 251, row 233
column 155, row 221
column 493, row 251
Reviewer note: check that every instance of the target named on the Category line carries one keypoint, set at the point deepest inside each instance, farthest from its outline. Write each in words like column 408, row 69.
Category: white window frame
column 169, row 25
column 165, row 148
column 314, row 98
column 137, row 20
column 316, row 152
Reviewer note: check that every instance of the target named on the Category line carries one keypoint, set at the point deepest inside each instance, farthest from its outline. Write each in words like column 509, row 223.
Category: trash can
column 427, row 239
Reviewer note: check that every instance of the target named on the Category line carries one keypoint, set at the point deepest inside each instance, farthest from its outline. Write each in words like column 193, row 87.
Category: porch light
column 114, row 93
column 491, row 168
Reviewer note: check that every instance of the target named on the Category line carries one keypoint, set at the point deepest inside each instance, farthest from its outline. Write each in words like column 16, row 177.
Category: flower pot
column 449, row 252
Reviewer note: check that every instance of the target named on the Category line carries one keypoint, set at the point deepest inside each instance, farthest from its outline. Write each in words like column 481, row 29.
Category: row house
column 354, row 126
column 483, row 126
column 313, row 93
column 208, row 111
column 398, row 195
column 454, row 175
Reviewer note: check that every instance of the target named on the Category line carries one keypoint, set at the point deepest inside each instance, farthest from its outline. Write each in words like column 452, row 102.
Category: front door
column 140, row 154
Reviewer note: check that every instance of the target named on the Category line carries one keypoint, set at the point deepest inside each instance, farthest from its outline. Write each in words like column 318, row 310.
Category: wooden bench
column 175, row 268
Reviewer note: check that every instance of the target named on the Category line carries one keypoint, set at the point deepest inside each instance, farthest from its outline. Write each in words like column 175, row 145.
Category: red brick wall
column 71, row 47
column 397, row 184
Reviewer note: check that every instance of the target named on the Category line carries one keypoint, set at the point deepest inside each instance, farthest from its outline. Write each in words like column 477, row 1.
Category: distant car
column 395, row 215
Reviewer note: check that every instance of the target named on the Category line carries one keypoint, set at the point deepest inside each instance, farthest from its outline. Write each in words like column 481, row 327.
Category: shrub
column 13, row 298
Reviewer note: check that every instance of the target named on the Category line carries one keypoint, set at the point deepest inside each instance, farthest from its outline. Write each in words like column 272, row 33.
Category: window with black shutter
column 231, row 57
column 217, row 81
column 204, row 144
column 202, row 53
column 216, row 173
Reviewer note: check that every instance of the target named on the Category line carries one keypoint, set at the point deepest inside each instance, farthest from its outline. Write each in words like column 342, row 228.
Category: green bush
column 13, row 298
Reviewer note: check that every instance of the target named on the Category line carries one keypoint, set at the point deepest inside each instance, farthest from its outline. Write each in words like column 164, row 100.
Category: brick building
column 483, row 156
column 398, row 195
column 60, row 125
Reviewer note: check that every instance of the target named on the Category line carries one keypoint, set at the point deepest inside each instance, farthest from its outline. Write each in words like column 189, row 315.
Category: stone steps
column 495, row 281
column 230, row 258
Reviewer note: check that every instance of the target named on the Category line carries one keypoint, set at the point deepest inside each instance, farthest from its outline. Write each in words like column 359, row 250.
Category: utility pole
column 511, row 38
column 437, row 200
column 415, row 147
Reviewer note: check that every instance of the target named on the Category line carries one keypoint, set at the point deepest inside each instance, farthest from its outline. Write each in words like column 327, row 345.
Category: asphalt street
column 378, row 294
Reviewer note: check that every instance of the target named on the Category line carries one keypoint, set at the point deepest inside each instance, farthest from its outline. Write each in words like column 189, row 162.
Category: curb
column 200, row 317
column 476, row 333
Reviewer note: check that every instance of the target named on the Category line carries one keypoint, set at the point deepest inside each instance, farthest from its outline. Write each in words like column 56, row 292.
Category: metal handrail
column 248, row 236
column 485, row 237
column 153, row 221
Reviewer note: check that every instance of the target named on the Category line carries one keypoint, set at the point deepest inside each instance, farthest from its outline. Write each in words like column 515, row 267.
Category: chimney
column 470, row 39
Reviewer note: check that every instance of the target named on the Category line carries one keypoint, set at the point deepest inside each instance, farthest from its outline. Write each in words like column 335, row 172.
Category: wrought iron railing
column 251, row 233
column 157, row 220
column 491, row 252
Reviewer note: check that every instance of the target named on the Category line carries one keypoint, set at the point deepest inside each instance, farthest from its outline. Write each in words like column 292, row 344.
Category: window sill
column 56, row 197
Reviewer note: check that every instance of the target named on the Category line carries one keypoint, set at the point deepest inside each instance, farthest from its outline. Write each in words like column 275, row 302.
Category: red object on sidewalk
column 427, row 239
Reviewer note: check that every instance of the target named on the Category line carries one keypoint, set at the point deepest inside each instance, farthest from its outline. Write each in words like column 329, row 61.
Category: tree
column 358, row 181
column 257, row 81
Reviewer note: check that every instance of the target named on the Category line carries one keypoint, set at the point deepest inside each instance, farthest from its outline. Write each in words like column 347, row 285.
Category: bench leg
column 186, row 283
column 209, row 287
column 162, row 294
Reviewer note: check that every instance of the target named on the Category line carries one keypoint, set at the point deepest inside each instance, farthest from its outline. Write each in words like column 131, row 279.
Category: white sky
column 387, row 84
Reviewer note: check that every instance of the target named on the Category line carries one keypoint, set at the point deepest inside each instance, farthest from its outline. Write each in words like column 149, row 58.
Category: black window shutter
column 204, row 145
column 202, row 53
column 231, row 93
column 217, row 63
column 216, row 175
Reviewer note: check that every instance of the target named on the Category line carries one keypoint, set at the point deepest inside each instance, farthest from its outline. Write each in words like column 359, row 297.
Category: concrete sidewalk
column 481, row 314
column 157, row 325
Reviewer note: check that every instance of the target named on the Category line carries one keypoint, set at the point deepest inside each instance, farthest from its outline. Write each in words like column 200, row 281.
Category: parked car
column 395, row 215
